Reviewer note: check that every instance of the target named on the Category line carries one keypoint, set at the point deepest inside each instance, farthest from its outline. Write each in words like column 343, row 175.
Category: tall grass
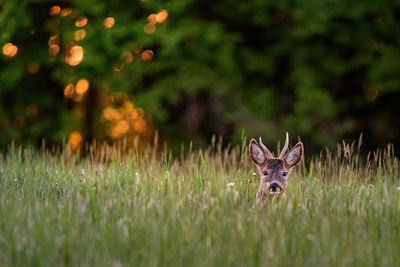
column 115, row 207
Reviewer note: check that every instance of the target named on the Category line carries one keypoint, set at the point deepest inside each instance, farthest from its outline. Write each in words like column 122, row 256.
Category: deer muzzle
column 275, row 188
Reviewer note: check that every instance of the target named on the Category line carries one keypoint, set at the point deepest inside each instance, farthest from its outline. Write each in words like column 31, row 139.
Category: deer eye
column 284, row 174
column 265, row 173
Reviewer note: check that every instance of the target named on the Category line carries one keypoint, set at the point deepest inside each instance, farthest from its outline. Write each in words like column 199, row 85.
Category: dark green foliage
column 323, row 70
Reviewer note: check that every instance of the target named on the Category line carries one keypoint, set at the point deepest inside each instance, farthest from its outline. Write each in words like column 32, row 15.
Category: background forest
column 112, row 70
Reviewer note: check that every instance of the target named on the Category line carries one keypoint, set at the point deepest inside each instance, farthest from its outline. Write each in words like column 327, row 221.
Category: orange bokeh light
column 75, row 140
column 69, row 90
column 149, row 28
column 152, row 18
column 82, row 86
column 54, row 10
column 147, row 55
column 122, row 119
column 109, row 22
column 53, row 50
column 9, row 50
column 162, row 16
column 65, row 12
column 140, row 126
column 122, row 127
column 111, row 113
column 127, row 57
column 81, row 21
column 74, row 55
column 79, row 35
column 53, row 40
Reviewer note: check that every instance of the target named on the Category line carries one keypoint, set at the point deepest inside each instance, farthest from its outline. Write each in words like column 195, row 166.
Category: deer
column 274, row 172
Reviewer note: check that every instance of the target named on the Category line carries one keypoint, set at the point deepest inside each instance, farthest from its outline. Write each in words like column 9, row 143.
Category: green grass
column 150, row 209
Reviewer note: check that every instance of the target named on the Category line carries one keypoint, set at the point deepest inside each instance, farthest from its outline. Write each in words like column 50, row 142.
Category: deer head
column 274, row 172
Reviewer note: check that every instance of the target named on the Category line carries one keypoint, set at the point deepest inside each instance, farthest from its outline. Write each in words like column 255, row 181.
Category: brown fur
column 275, row 168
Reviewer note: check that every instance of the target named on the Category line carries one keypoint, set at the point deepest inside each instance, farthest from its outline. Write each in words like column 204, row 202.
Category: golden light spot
column 32, row 68
column 133, row 115
column 75, row 140
column 127, row 57
column 54, row 40
column 81, row 21
column 111, row 113
column 82, row 86
column 53, row 50
column 19, row 121
column 79, row 35
column 65, row 12
column 109, row 22
column 152, row 18
column 149, row 28
column 128, row 106
column 9, row 50
column 162, row 16
column 32, row 110
column 54, row 10
column 122, row 127
column 74, row 55
column 147, row 55
column 69, row 90
column 140, row 126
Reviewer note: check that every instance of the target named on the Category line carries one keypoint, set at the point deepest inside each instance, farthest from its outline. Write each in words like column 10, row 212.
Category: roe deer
column 274, row 172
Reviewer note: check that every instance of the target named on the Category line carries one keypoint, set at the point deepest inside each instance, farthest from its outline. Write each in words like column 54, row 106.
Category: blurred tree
column 106, row 70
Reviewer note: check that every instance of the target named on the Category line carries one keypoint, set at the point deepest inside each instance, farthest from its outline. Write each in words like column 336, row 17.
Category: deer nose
column 275, row 186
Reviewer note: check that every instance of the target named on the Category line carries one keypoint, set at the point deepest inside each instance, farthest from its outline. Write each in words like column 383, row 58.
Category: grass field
column 152, row 209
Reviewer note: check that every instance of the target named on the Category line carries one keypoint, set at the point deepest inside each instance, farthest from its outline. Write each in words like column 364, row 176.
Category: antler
column 266, row 150
column 284, row 149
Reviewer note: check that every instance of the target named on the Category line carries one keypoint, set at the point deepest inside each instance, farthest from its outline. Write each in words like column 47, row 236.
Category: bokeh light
column 162, row 16
column 53, row 50
column 152, row 19
column 82, row 86
column 127, row 57
column 75, row 140
column 121, row 118
column 147, row 55
column 79, row 35
column 81, row 21
column 65, row 12
column 9, row 50
column 109, row 22
column 69, row 90
column 74, row 55
column 54, row 10
column 149, row 28
column 53, row 43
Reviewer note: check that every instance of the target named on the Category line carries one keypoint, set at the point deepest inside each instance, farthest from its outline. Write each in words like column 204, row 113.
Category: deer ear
column 256, row 153
column 294, row 156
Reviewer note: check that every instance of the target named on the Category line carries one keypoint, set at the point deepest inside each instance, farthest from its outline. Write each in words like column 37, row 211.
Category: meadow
column 119, row 207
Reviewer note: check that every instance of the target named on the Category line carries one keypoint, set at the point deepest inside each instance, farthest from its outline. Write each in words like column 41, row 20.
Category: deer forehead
column 274, row 165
